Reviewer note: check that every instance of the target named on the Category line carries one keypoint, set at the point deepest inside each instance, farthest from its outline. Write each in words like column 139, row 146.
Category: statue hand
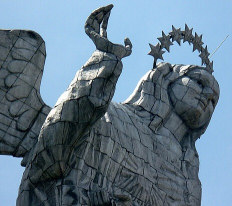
column 98, row 34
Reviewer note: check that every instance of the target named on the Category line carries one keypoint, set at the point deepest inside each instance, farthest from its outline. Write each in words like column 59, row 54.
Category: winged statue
column 88, row 150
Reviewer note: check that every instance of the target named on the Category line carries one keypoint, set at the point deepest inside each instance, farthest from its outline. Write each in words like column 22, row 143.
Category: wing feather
column 22, row 110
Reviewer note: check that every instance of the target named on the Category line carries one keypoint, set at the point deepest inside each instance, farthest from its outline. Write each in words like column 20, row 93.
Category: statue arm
column 94, row 84
column 81, row 105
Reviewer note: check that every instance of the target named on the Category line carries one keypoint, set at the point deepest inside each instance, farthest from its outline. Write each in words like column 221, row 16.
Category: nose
column 208, row 93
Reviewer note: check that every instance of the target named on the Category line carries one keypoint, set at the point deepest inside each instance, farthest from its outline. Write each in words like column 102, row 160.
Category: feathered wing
column 22, row 111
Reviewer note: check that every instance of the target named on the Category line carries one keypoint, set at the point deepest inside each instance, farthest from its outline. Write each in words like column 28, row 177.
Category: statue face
column 194, row 97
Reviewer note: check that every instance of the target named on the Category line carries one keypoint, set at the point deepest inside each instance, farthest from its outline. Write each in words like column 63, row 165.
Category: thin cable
column 218, row 47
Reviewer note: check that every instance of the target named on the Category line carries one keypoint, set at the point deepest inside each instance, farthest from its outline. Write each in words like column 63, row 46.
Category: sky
column 61, row 24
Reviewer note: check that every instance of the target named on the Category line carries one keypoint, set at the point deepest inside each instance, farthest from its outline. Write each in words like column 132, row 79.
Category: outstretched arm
column 82, row 104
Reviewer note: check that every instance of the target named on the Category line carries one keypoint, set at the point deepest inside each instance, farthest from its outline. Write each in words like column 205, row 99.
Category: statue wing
column 22, row 111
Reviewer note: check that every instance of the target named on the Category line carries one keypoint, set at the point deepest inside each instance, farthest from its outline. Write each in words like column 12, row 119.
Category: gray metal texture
column 88, row 150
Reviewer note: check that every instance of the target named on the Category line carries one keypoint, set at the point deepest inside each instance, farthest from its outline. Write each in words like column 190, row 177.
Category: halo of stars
column 177, row 35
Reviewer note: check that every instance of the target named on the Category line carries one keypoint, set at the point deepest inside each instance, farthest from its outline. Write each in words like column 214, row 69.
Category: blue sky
column 61, row 24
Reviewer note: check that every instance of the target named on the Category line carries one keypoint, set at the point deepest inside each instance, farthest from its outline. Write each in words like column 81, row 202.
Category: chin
column 197, row 118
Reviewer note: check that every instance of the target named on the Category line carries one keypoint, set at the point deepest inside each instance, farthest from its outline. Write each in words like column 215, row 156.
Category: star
column 176, row 35
column 204, row 56
column 197, row 43
column 188, row 36
column 156, row 52
column 210, row 67
column 165, row 41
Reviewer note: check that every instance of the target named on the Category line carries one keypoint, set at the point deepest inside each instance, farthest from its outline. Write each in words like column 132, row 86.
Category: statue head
column 194, row 96
column 186, row 91
column 189, row 92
